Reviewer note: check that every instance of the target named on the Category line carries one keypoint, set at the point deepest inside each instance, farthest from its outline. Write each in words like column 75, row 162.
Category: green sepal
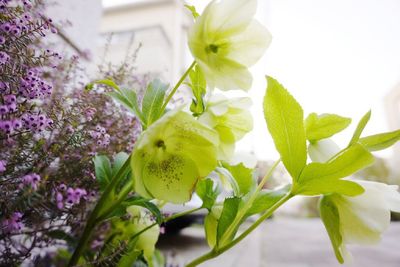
column 330, row 217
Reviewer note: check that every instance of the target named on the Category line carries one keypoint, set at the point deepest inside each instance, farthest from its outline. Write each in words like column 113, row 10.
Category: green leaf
column 103, row 170
column 61, row 235
column 324, row 178
column 108, row 82
column 330, row 217
column 228, row 214
column 153, row 100
column 210, row 228
column 284, row 117
column 198, row 85
column 192, row 9
column 243, row 177
column 380, row 141
column 324, row 126
column 205, row 190
column 128, row 99
column 119, row 161
column 266, row 199
column 360, row 127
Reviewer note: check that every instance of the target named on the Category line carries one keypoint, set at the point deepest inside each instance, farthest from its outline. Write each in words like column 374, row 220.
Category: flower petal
column 249, row 46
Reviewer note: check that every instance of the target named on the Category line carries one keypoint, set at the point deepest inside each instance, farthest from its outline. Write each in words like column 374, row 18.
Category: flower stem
column 171, row 94
column 215, row 252
column 93, row 218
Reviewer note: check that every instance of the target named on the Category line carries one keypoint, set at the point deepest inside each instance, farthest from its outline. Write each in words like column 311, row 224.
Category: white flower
column 226, row 40
column 231, row 118
column 323, row 150
column 361, row 219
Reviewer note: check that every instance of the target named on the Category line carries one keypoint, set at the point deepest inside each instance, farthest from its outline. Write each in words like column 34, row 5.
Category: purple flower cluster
column 101, row 136
column 32, row 86
column 69, row 196
column 32, row 180
column 12, row 224
column 3, row 165
column 36, row 122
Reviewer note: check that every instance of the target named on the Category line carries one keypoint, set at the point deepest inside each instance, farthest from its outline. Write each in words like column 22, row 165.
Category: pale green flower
column 225, row 40
column 147, row 240
column 363, row 218
column 171, row 155
column 231, row 118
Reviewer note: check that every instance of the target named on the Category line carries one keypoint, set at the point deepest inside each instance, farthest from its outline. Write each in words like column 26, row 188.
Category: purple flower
column 2, row 40
column 13, row 224
column 3, row 164
column 31, row 180
column 4, row 58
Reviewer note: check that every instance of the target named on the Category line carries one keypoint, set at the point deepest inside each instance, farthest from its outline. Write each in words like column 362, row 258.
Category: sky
column 334, row 56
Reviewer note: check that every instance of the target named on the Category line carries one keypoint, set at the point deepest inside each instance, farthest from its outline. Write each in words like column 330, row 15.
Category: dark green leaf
column 103, row 170
column 266, row 199
column 153, row 100
column 119, row 161
column 228, row 214
column 284, row 117
column 380, row 141
column 205, row 190
column 330, row 217
column 324, row 126
column 324, row 178
column 360, row 128
column 128, row 99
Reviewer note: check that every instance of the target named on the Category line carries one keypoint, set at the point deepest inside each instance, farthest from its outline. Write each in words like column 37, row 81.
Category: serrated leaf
column 128, row 99
column 380, row 141
column 325, row 125
column 325, row 178
column 284, row 117
column 205, row 190
column 228, row 214
column 192, row 9
column 243, row 177
column 266, row 199
column 360, row 128
column 103, row 171
column 330, row 217
column 153, row 100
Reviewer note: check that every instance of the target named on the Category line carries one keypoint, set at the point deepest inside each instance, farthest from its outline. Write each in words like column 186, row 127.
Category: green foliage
column 266, row 199
column 192, row 9
column 103, row 171
column 325, row 125
column 228, row 214
column 206, row 191
column 152, row 103
column 284, row 117
column 330, row 217
column 153, row 100
column 198, row 85
column 380, row 141
column 242, row 177
column 360, row 128
column 325, row 178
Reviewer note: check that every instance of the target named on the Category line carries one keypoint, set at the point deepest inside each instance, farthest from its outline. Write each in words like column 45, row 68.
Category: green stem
column 238, row 219
column 93, row 218
column 215, row 252
column 171, row 94
column 176, row 215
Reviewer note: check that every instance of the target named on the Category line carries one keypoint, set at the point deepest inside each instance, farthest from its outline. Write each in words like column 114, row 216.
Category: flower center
column 212, row 48
column 160, row 144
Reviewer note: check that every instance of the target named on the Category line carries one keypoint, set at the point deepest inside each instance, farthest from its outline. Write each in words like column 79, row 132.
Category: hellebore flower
column 171, row 155
column 147, row 240
column 231, row 119
column 360, row 219
column 323, row 150
column 225, row 40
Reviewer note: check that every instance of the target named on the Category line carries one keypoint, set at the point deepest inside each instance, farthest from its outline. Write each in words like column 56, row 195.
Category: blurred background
column 334, row 56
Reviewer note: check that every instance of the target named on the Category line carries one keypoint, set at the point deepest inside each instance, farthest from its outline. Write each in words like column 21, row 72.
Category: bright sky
column 334, row 56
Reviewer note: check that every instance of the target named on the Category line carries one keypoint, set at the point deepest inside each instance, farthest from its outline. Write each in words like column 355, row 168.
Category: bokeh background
column 334, row 56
